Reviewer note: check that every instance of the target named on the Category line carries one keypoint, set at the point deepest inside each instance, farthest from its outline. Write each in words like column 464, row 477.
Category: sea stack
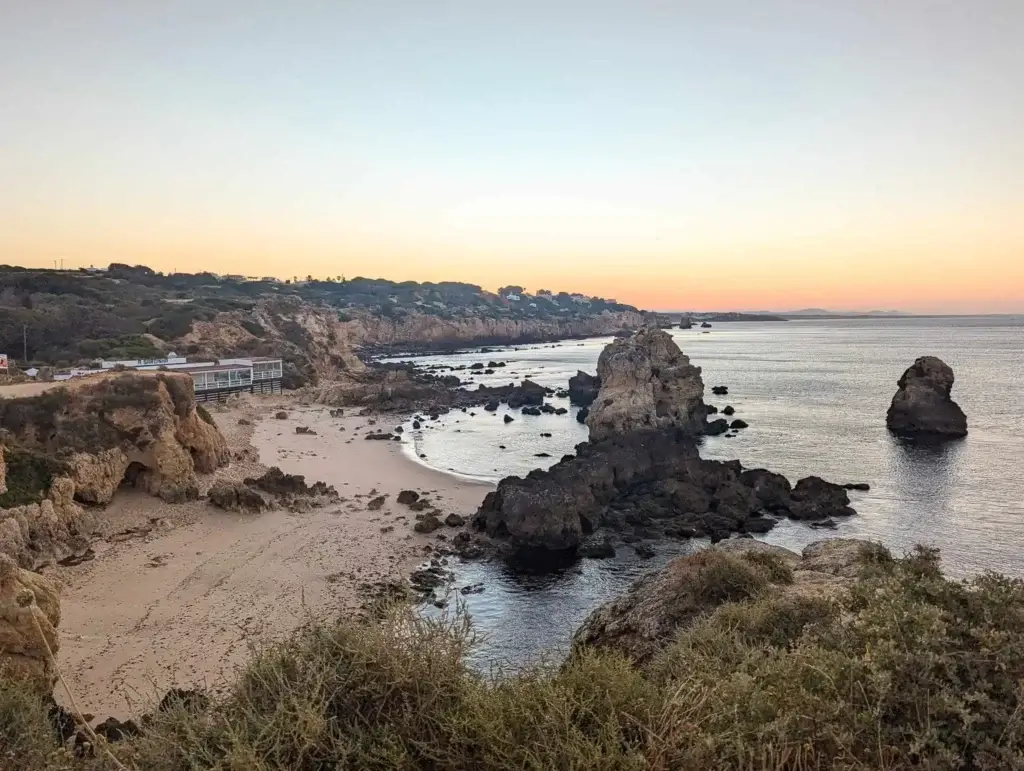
column 922, row 407
column 646, row 383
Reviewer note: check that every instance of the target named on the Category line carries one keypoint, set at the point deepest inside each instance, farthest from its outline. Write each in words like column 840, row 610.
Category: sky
column 756, row 154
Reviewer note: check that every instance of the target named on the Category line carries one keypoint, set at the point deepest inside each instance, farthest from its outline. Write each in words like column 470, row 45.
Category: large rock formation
column 82, row 442
column 922, row 406
column 648, row 617
column 29, row 615
column 646, row 483
column 646, row 382
column 583, row 389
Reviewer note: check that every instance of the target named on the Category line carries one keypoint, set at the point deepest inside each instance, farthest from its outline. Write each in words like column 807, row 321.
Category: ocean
column 815, row 393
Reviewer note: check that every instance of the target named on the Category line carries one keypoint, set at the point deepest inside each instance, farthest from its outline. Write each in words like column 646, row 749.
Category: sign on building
column 3, row 362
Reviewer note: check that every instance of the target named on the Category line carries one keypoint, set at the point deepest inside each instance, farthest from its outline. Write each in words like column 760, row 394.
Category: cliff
column 320, row 343
column 80, row 443
column 29, row 605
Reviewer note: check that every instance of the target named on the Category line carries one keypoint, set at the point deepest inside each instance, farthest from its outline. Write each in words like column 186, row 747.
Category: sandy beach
column 178, row 594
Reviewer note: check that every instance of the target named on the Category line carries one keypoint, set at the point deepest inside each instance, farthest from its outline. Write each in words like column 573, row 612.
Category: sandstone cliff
column 922, row 405
column 29, row 614
column 319, row 342
column 646, row 382
column 651, row 613
column 82, row 442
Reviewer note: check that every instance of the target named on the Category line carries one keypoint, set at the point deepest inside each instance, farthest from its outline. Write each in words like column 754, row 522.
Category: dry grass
column 911, row 671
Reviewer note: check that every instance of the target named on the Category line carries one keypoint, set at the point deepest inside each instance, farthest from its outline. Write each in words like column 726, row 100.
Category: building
column 217, row 380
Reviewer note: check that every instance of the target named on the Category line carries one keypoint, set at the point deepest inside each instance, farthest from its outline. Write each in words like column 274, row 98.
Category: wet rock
column 922, row 407
column 861, row 486
column 720, row 390
column 535, row 411
column 408, row 497
column 304, row 430
column 428, row 524
column 491, row 406
column 644, row 551
column 416, row 424
column 581, row 416
column 601, row 549
column 377, row 503
column 508, row 418
column 738, row 423
column 716, row 427
column 815, row 499
column 379, row 436
column 455, row 520
column 541, row 455
column 560, row 410
column 281, row 415
column 728, row 410
column 583, row 389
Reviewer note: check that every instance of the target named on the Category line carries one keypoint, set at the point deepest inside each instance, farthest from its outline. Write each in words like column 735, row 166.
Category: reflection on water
column 815, row 394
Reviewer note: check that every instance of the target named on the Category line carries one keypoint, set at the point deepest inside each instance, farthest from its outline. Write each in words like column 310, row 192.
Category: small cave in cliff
column 134, row 475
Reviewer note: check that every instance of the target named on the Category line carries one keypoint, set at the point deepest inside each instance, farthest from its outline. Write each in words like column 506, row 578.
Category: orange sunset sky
column 734, row 155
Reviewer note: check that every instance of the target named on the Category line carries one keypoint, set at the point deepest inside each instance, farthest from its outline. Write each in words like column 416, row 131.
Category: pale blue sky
column 831, row 153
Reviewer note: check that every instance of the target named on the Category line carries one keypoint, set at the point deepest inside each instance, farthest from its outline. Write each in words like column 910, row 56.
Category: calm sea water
column 815, row 394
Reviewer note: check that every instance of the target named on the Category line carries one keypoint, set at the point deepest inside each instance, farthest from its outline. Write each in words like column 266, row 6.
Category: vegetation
column 67, row 318
column 29, row 475
column 909, row 671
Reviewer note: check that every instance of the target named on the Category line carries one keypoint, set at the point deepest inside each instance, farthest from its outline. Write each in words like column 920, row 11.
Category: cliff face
column 29, row 604
column 319, row 343
column 82, row 442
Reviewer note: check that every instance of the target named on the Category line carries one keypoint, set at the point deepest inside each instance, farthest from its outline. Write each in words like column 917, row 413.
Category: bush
column 906, row 671
column 29, row 476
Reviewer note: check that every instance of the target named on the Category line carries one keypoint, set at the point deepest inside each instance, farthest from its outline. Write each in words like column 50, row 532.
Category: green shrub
column 29, row 476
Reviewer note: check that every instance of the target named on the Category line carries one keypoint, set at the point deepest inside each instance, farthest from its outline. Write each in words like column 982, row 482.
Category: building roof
column 211, row 368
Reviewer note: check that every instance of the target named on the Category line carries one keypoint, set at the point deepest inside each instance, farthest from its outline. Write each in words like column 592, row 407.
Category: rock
column 455, row 520
column 922, row 407
column 241, row 422
column 720, row 390
column 705, row 325
column 380, row 436
column 581, row 416
column 770, row 489
column 861, row 486
column 476, row 365
column 114, row 730
column 408, row 497
column 509, row 418
column 398, row 430
column 428, row 524
column 827, row 524
column 281, row 415
column 547, row 409
column 541, row 455
column 815, row 499
column 651, row 614
column 560, row 410
column 491, row 406
column 416, row 424
column 545, row 434
column 716, row 427
column 728, row 410
column 583, row 389
column 738, row 423
column 644, row 551
column 187, row 699
column 236, row 496
column 646, row 383
column 377, row 503
column 535, row 411
column 29, row 604
column 598, row 550
column 339, row 413
column 304, row 430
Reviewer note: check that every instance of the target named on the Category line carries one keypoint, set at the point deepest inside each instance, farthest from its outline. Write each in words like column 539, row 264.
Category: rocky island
column 641, row 474
column 923, row 407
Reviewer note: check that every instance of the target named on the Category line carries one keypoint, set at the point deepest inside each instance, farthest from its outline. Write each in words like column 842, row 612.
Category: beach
column 179, row 595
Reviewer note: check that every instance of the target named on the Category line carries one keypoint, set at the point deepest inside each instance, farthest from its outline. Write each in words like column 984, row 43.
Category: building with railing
column 217, row 380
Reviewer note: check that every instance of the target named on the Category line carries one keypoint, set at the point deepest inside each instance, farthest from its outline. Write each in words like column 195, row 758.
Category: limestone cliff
column 29, row 615
column 80, row 443
column 646, row 382
column 320, row 343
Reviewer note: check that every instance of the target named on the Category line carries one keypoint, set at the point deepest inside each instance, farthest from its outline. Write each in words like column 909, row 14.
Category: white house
column 513, row 297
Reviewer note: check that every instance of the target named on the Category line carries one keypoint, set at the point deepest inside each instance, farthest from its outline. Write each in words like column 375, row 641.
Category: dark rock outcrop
column 583, row 389
column 922, row 406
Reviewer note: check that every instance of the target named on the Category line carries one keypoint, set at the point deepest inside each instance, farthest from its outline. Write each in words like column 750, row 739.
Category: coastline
column 178, row 595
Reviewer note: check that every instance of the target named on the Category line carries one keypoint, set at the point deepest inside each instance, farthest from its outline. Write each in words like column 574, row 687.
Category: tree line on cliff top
column 68, row 318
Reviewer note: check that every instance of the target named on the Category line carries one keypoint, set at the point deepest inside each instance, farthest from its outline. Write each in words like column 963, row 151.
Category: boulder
column 922, row 406
column 508, row 418
column 408, row 497
column 814, row 498
column 428, row 524
column 455, row 520
column 646, row 383
column 582, row 414
column 29, row 617
column 236, row 496
column 583, row 389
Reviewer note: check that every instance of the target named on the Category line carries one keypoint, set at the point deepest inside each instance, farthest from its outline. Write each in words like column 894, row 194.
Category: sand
column 178, row 595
